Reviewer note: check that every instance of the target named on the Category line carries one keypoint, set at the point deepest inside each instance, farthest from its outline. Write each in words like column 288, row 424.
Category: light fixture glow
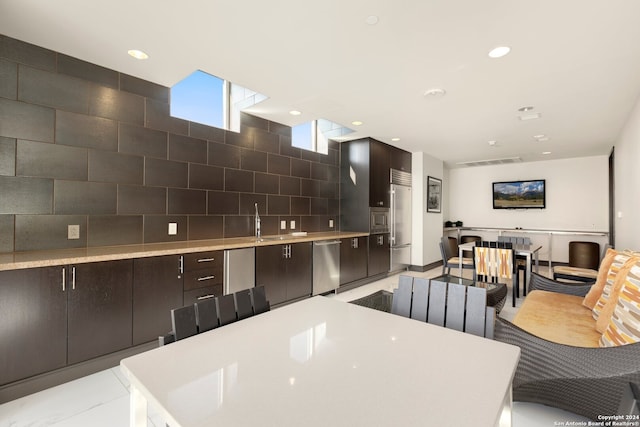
column 357, row 123
column 138, row 54
column 546, row 152
column 371, row 20
column 531, row 116
column 539, row 136
column 395, row 139
column 492, row 143
column 499, row 52
column 435, row 92
column 295, row 112
column 525, row 109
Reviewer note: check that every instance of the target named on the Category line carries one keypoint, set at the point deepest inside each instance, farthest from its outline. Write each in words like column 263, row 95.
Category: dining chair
column 450, row 259
column 494, row 264
column 226, row 309
column 243, row 305
column 402, row 295
column 206, row 314
column 259, row 300
column 584, row 260
column 420, row 299
column 467, row 239
column 183, row 322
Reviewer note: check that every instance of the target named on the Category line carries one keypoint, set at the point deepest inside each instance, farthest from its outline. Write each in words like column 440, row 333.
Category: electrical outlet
column 173, row 228
column 283, row 225
column 292, row 225
column 330, row 223
column 73, row 232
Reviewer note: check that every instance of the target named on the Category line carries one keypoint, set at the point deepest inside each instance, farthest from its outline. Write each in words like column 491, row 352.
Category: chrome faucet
column 257, row 223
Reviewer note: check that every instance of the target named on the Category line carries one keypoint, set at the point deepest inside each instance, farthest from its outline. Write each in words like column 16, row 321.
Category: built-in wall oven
column 379, row 220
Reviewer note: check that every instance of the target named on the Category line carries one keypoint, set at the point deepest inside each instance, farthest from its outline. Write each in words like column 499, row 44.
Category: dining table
column 529, row 252
column 325, row 362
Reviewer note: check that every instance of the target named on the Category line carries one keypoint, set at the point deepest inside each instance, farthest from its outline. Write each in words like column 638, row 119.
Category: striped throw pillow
column 618, row 264
column 624, row 327
column 595, row 292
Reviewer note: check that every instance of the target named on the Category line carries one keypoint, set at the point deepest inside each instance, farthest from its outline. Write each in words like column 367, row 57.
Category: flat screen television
column 519, row 194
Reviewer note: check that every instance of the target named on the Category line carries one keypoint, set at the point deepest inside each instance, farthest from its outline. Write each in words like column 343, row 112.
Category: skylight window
column 315, row 135
column 210, row 100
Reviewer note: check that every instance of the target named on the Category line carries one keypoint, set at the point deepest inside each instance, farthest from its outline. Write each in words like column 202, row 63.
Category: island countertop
column 55, row 257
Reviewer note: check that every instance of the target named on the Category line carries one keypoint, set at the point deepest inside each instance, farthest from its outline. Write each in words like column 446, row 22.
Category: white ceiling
column 576, row 61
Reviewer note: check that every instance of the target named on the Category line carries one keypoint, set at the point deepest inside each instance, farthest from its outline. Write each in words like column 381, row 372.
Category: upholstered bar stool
column 467, row 239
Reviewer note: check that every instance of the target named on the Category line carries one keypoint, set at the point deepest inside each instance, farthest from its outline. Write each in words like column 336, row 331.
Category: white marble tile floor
column 102, row 399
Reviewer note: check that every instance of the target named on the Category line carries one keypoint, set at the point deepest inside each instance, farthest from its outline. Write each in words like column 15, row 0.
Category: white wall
column 576, row 199
column 426, row 227
column 627, row 184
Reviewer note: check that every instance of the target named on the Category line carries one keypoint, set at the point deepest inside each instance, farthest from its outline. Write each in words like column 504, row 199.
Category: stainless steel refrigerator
column 400, row 220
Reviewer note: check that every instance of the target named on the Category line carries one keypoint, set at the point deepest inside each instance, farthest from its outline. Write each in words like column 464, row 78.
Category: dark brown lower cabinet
column 353, row 259
column 157, row 288
column 285, row 271
column 100, row 309
column 33, row 322
column 379, row 254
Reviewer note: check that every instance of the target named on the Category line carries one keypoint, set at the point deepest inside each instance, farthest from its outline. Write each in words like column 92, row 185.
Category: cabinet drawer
column 191, row 297
column 202, row 278
column 201, row 260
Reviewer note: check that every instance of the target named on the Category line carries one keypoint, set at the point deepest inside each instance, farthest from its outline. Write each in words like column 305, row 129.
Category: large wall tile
column 279, row 164
column 26, row 195
column 300, row 206
column 158, row 117
column 8, row 79
column 26, row 53
column 166, row 173
column 90, row 198
column 244, row 140
column 6, row 233
column 238, row 226
column 319, row 171
column 310, row 188
column 26, row 121
column 223, row 203
column 81, row 130
column 87, row 71
column 43, row 232
column 247, row 120
column 114, row 230
column 280, row 129
column 206, row 177
column 106, row 166
column 7, row 156
column 186, row 149
column 300, row 168
column 266, row 183
column 182, row 201
column 145, row 88
column 278, row 205
column 210, row 133
column 287, row 150
column 156, row 228
column 248, row 201
column 289, row 186
column 253, row 160
column 53, row 90
column 142, row 141
column 319, row 206
column 317, row 223
column 116, row 105
column 265, row 141
column 46, row 160
column 237, row 180
column 224, row 155
column 206, row 227
column 133, row 199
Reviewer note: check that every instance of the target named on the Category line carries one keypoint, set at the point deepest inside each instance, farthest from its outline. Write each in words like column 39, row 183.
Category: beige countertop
column 21, row 260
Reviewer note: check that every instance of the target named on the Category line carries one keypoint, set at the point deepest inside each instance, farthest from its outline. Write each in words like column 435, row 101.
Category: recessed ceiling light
column 357, row 123
column 499, row 51
column 295, row 112
column 539, row 136
column 395, row 139
column 492, row 143
column 546, row 152
column 138, row 54
column 435, row 92
column 531, row 116
column 371, row 20
column 525, row 109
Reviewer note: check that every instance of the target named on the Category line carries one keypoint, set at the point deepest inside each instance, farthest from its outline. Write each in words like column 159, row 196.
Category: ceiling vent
column 490, row 162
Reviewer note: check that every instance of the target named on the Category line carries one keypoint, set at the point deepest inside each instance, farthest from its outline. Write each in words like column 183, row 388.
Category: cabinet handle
column 289, row 251
column 205, row 297
column 206, row 259
column 285, row 253
column 64, row 279
column 73, row 278
column 202, row 279
column 181, row 266
column 380, row 240
column 354, row 243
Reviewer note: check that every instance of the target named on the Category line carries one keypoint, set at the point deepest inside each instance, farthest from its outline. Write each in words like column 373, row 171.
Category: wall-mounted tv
column 519, row 194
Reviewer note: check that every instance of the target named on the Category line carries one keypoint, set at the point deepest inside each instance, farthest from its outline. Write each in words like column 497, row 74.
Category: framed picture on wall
column 434, row 194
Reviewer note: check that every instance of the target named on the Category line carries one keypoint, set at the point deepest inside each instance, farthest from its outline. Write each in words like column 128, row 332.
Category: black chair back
column 226, row 309
column 243, row 305
column 183, row 321
column 207, row 314
column 259, row 300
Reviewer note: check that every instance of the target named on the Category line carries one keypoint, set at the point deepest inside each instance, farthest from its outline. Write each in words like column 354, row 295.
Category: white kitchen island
column 323, row 362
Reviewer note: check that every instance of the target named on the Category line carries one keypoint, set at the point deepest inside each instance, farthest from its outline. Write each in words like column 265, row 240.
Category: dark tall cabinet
column 353, row 259
column 379, row 258
column 157, row 288
column 379, row 175
column 285, row 271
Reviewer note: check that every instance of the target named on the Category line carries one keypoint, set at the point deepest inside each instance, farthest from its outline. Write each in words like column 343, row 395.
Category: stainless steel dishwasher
column 326, row 266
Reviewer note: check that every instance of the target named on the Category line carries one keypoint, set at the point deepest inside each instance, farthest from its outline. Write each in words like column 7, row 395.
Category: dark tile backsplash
column 84, row 145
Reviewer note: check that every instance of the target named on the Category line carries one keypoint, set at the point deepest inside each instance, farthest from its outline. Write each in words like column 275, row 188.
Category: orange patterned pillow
column 618, row 263
column 595, row 292
column 624, row 327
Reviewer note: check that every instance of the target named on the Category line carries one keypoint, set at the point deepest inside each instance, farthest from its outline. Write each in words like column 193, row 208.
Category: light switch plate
column 330, row 223
column 173, row 228
column 292, row 225
column 283, row 225
column 73, row 232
